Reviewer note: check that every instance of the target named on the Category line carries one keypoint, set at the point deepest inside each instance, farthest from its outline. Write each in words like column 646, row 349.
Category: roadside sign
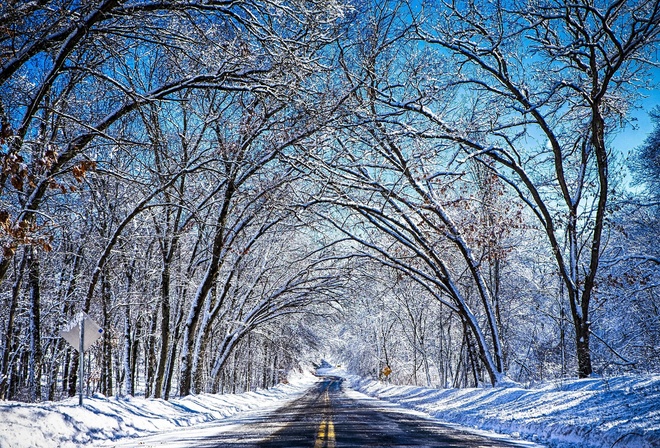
column 71, row 332
column 81, row 332
column 387, row 371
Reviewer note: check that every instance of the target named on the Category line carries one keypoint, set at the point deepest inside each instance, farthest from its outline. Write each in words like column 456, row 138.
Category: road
column 329, row 416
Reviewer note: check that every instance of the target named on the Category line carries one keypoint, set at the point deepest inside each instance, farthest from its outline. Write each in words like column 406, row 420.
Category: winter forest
column 232, row 188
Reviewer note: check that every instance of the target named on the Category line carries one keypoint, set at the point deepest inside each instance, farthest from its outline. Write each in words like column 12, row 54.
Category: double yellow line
column 325, row 438
column 326, row 435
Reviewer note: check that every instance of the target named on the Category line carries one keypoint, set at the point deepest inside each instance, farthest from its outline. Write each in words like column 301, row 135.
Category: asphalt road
column 328, row 416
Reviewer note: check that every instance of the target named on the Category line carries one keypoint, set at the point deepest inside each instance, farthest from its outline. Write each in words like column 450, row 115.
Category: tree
column 96, row 49
column 560, row 74
column 251, row 139
column 397, row 187
column 95, row 87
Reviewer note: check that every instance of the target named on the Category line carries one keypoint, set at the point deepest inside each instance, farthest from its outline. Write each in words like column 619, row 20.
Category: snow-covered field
column 616, row 412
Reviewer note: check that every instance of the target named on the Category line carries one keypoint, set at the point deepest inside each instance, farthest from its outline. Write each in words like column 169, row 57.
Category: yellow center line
column 320, row 438
column 326, row 434
column 331, row 434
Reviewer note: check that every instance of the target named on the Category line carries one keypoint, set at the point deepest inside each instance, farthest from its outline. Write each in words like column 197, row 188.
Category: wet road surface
column 328, row 416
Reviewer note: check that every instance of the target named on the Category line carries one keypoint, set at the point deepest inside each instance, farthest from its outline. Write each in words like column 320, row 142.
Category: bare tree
column 547, row 84
column 398, row 187
column 83, row 83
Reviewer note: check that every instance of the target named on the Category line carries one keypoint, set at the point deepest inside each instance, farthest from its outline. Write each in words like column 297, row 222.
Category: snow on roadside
column 615, row 412
column 66, row 425
column 591, row 413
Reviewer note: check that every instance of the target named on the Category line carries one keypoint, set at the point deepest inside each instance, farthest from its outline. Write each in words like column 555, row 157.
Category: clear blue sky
column 632, row 137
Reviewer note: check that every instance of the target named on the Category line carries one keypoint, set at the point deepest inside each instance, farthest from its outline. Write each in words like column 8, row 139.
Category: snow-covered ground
column 591, row 413
column 102, row 420
column 616, row 412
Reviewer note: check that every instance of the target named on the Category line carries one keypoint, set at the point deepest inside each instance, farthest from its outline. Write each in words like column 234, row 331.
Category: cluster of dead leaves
column 14, row 231
column 18, row 173
column 80, row 170
column 627, row 279
column 20, row 234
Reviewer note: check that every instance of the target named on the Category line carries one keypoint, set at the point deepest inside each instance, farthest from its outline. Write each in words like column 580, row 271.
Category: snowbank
column 65, row 424
column 616, row 412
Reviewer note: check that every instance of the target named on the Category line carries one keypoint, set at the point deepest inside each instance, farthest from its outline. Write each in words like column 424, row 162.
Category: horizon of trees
column 232, row 188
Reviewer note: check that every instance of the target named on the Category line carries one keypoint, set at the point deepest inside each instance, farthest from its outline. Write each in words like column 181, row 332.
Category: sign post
column 81, row 359
column 81, row 333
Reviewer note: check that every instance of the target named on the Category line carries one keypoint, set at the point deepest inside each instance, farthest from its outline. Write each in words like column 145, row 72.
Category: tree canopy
column 234, row 188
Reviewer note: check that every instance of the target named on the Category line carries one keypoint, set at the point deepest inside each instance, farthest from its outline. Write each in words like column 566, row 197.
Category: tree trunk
column 54, row 369
column 9, row 335
column 582, row 324
column 262, row 374
column 36, row 358
column 248, row 370
column 276, row 377
column 190, row 328
column 106, row 363
column 129, row 382
column 135, row 353
column 471, row 354
column 170, row 370
column 164, row 324
column 583, row 351
column 150, row 358
column 73, row 372
column 201, row 350
column 65, row 368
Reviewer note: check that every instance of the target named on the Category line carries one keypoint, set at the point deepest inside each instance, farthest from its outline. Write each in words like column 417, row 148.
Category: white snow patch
column 591, row 413
column 66, row 425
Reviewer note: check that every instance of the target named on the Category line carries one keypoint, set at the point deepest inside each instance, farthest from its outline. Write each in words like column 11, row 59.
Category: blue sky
column 631, row 137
